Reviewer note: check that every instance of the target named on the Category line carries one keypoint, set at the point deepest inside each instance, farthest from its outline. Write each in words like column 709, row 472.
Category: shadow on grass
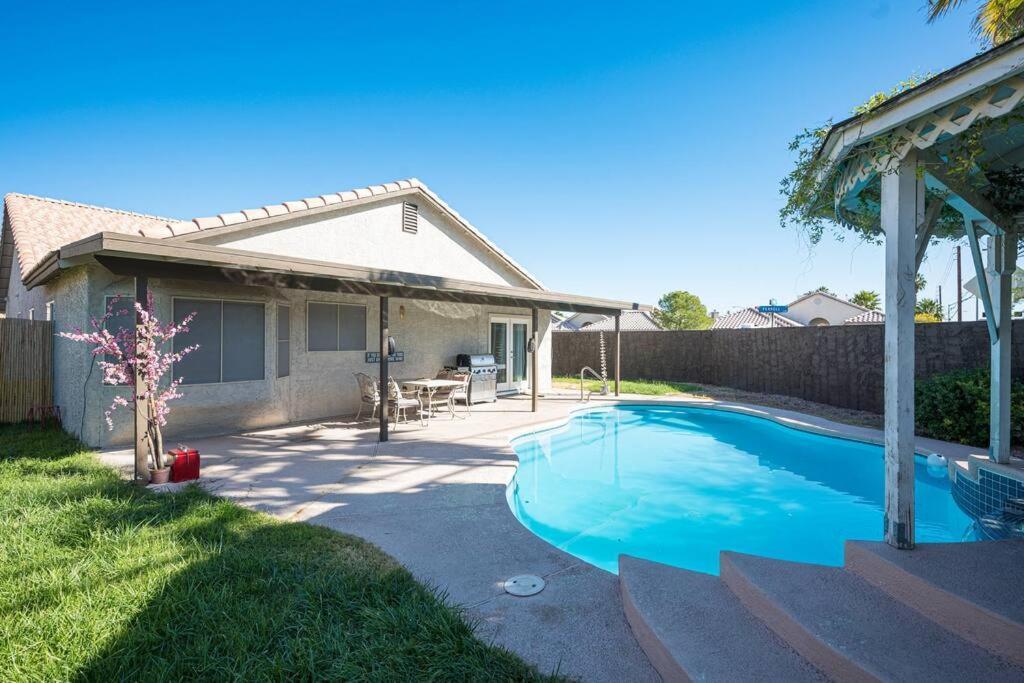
column 110, row 582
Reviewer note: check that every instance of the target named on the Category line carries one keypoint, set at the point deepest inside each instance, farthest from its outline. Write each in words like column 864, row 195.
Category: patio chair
column 461, row 393
column 399, row 402
column 369, row 394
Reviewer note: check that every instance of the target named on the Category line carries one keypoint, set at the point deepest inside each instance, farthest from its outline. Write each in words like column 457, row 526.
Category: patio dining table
column 430, row 385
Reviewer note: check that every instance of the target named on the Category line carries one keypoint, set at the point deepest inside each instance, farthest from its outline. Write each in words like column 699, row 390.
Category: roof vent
column 410, row 217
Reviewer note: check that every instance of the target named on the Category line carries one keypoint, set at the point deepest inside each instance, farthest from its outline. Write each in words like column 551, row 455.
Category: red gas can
column 186, row 464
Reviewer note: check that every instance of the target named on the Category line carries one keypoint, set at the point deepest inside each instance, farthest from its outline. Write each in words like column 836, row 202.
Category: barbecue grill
column 483, row 376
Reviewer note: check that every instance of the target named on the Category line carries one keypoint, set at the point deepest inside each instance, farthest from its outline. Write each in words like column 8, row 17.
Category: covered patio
column 943, row 159
column 202, row 265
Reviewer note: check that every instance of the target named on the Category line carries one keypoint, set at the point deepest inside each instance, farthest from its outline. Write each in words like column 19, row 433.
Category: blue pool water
column 677, row 485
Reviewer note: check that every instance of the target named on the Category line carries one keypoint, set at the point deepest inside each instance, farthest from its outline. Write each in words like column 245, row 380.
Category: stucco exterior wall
column 835, row 312
column 372, row 236
column 321, row 383
column 20, row 300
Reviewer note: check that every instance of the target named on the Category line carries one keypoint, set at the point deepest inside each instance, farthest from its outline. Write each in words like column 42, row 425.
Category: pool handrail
column 604, row 382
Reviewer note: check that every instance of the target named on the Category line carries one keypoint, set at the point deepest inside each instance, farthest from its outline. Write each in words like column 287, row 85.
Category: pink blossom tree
column 120, row 355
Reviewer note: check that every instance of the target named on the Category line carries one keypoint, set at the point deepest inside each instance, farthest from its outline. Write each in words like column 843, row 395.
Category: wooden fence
column 26, row 367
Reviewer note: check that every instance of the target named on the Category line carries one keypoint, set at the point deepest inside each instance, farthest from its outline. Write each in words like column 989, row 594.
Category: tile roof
column 866, row 318
column 751, row 317
column 631, row 321
column 40, row 225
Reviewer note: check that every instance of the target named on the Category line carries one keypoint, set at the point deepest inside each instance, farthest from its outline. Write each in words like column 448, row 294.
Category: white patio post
column 1002, row 261
column 903, row 193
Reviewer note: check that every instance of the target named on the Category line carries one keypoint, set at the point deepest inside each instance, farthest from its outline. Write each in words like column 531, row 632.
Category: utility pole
column 959, row 289
column 940, row 299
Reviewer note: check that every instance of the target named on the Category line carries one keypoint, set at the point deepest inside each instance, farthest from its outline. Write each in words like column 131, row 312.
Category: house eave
column 130, row 254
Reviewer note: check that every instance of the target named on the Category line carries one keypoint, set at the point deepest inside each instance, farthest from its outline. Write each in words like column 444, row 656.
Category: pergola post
column 534, row 360
column 1002, row 261
column 141, row 407
column 618, row 347
column 902, row 211
column 384, row 389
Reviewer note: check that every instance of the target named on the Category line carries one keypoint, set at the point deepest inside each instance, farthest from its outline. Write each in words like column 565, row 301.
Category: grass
column 101, row 581
column 630, row 386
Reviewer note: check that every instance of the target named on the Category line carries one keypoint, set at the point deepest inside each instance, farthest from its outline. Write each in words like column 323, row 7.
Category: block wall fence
column 839, row 366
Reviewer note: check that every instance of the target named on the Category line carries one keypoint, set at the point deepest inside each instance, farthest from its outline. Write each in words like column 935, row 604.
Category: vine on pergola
column 809, row 189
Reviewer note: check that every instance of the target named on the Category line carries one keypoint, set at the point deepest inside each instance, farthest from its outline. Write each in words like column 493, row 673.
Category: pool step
column 693, row 628
column 851, row 630
column 971, row 589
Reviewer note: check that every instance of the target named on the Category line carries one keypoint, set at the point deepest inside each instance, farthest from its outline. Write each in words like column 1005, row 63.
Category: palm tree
column 995, row 22
column 868, row 299
column 929, row 308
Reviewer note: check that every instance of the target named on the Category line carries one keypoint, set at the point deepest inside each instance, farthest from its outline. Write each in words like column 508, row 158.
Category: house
column 291, row 299
column 814, row 309
column 629, row 321
column 821, row 308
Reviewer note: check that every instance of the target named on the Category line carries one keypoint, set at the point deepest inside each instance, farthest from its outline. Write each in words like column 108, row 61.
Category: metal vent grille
column 410, row 217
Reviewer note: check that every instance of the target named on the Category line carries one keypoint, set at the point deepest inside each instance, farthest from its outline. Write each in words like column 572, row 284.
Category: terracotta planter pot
column 159, row 476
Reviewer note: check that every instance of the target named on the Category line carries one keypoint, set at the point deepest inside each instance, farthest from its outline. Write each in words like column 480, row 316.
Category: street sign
column 773, row 309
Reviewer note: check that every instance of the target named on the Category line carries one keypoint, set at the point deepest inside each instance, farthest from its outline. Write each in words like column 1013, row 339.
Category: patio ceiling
column 131, row 255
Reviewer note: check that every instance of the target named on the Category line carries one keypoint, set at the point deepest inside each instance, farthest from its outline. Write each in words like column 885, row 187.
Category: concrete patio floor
column 434, row 498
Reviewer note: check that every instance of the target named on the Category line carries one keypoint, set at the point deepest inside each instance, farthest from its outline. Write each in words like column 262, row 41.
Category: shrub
column 954, row 406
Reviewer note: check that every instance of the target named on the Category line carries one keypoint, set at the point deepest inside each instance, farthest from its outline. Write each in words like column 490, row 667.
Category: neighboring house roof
column 808, row 295
column 38, row 226
column 866, row 318
column 751, row 317
column 630, row 321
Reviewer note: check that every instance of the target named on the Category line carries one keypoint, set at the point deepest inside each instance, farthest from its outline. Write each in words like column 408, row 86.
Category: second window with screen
column 335, row 327
column 230, row 335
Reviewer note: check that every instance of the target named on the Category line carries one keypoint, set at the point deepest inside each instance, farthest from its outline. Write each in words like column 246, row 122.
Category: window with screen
column 335, row 327
column 231, row 339
column 284, row 336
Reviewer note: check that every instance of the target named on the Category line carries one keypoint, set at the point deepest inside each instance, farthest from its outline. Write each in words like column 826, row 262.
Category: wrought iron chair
column 461, row 393
column 399, row 402
column 369, row 394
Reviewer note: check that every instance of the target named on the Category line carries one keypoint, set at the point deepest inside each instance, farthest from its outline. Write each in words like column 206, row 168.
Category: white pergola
column 898, row 165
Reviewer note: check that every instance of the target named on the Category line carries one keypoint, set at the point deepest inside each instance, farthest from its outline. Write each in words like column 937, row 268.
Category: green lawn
column 101, row 581
column 630, row 386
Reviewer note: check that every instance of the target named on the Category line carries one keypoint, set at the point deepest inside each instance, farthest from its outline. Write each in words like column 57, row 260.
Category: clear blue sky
column 620, row 150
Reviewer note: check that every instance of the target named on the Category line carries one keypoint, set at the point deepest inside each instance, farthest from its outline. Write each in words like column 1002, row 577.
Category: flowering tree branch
column 123, row 354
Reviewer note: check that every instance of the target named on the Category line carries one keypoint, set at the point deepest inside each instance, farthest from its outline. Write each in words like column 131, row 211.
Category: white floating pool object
column 936, row 461
column 524, row 585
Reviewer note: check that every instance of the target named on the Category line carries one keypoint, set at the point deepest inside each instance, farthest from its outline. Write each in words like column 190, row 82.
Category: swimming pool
column 679, row 484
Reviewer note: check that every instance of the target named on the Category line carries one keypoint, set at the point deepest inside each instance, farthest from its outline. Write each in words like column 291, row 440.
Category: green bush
column 954, row 406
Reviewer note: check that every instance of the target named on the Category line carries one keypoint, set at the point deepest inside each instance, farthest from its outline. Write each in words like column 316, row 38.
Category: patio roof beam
column 971, row 228
column 927, row 229
column 962, row 197
column 484, row 295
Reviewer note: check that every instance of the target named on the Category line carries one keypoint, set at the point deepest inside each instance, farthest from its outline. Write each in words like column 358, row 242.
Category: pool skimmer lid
column 524, row 585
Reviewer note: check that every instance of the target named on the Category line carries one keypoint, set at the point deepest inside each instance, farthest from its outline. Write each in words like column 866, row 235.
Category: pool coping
column 786, row 418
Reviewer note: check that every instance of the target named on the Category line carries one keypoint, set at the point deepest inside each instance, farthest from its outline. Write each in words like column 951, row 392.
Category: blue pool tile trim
column 986, row 496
